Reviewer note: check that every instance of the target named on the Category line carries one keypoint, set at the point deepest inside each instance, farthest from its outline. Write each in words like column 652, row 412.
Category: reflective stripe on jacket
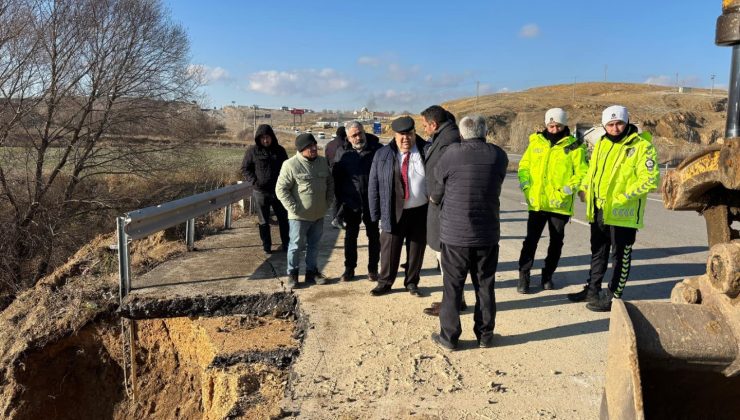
column 546, row 172
column 620, row 176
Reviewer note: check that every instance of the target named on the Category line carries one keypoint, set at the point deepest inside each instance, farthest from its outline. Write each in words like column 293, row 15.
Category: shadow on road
column 580, row 328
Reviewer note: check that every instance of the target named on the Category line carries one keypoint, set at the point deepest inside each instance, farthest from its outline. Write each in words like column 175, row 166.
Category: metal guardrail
column 140, row 223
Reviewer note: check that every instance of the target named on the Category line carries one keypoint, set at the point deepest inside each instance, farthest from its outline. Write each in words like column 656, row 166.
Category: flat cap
column 304, row 140
column 402, row 124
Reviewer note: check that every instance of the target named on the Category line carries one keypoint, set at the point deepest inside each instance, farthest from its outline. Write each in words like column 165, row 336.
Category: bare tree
column 76, row 77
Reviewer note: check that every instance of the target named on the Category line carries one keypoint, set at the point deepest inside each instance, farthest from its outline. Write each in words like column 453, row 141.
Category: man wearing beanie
column 351, row 172
column 621, row 173
column 550, row 173
column 397, row 196
column 305, row 187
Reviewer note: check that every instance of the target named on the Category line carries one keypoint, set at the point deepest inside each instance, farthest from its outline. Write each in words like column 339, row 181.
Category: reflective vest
column 620, row 176
column 550, row 175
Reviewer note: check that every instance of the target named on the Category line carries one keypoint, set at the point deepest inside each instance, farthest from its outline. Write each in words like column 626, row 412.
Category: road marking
column 655, row 199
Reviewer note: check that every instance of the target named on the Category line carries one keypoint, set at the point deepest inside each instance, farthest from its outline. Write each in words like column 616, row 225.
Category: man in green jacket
column 550, row 173
column 622, row 171
column 305, row 187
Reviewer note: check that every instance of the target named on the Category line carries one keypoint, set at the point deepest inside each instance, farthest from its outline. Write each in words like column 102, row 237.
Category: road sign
column 298, row 111
column 268, row 116
column 376, row 128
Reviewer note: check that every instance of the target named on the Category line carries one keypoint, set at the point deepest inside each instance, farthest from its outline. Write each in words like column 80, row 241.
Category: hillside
column 679, row 122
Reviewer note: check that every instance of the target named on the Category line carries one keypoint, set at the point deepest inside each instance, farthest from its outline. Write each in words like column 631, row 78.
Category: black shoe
column 267, row 251
column 603, row 303
column 413, row 289
column 586, row 294
column 372, row 276
column 436, row 305
column 380, row 290
column 547, row 283
column 442, row 343
column 433, row 311
column 348, row 275
column 292, row 282
column 486, row 343
column 316, row 277
column 523, row 284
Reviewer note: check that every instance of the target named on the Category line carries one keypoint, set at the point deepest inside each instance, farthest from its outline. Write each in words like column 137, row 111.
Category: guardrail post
column 227, row 217
column 124, row 263
column 190, row 234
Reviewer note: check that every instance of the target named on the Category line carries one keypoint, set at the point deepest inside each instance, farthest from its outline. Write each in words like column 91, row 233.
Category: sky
column 406, row 55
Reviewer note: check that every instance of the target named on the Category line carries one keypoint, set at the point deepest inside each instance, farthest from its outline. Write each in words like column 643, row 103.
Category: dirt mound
column 680, row 122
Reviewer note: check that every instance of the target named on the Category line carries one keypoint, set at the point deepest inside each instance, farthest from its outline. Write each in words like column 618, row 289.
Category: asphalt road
column 671, row 246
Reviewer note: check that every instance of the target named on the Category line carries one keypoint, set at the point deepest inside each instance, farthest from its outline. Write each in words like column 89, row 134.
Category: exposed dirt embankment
column 679, row 122
column 65, row 351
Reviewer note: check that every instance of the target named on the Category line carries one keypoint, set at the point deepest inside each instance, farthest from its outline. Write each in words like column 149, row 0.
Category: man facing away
column 305, row 187
column 261, row 167
column 398, row 199
column 351, row 173
column 550, row 173
column 622, row 171
column 469, row 178
column 439, row 125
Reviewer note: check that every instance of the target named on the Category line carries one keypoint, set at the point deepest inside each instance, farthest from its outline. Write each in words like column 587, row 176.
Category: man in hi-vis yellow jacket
column 550, row 173
column 622, row 171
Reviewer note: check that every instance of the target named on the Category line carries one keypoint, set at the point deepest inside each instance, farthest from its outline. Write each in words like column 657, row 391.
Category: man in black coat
column 439, row 125
column 261, row 167
column 330, row 152
column 351, row 171
column 398, row 199
column 469, row 178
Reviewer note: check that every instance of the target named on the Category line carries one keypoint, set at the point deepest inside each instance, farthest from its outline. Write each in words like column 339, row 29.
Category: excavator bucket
column 681, row 359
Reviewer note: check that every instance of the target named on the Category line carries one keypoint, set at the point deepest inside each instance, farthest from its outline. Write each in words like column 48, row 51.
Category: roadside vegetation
column 80, row 83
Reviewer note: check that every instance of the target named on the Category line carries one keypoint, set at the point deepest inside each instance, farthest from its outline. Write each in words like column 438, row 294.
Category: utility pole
column 711, row 92
column 677, row 81
column 575, row 81
column 255, row 118
column 606, row 69
column 477, row 94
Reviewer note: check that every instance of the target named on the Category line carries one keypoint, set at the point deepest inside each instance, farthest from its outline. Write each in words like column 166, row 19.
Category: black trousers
column 263, row 202
column 352, row 221
column 481, row 263
column 603, row 237
column 410, row 231
column 535, row 225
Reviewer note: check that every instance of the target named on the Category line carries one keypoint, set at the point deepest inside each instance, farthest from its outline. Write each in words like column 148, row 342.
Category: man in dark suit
column 397, row 196
column 468, row 187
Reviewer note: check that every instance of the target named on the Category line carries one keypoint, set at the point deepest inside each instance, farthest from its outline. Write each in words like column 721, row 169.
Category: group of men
column 444, row 192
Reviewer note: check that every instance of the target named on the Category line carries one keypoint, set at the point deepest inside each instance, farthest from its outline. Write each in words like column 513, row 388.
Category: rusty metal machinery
column 682, row 359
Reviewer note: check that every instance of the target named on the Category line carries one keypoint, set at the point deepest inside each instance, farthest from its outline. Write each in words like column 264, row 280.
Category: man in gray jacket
column 305, row 187
column 469, row 177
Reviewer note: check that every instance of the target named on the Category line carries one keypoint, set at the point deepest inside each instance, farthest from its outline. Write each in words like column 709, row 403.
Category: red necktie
column 405, row 175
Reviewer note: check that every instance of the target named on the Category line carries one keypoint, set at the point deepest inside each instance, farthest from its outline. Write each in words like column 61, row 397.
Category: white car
column 322, row 135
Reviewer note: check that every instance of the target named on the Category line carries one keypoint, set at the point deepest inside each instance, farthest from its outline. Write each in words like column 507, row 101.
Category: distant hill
column 679, row 122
